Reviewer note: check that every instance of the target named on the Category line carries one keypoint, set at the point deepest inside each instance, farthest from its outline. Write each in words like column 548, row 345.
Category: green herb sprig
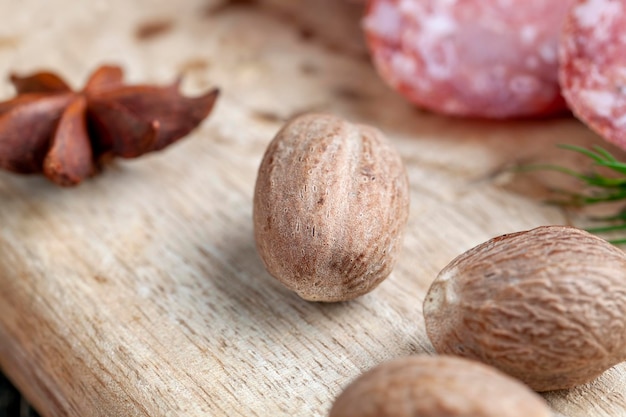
column 602, row 188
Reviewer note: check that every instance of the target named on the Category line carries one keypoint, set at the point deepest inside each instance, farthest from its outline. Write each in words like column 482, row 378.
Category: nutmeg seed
column 439, row 386
column 547, row 306
column 330, row 205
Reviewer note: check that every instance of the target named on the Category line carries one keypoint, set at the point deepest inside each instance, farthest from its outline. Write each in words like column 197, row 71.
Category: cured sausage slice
column 478, row 58
column 593, row 66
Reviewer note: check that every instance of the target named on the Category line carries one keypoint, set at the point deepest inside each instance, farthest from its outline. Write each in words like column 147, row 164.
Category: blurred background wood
column 140, row 293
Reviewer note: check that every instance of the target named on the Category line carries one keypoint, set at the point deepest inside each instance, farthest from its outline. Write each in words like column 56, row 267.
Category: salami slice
column 477, row 58
column 593, row 66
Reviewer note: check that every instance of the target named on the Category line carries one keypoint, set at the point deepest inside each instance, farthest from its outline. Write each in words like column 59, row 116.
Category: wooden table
column 140, row 293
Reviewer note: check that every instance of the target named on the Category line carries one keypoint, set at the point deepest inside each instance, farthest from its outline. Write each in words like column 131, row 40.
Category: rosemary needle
column 601, row 188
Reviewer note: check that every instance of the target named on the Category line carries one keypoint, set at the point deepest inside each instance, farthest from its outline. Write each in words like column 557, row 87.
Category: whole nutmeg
column 547, row 306
column 441, row 386
column 330, row 205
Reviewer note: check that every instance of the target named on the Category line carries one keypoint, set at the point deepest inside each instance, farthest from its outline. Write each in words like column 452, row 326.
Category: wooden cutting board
column 140, row 293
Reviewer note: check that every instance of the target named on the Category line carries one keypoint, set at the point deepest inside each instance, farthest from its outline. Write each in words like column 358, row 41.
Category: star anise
column 48, row 128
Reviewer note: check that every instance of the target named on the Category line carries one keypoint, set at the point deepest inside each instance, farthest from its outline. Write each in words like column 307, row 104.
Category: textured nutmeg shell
column 425, row 386
column 330, row 205
column 547, row 306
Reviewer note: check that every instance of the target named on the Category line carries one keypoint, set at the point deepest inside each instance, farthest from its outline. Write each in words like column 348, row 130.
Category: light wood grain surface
column 140, row 293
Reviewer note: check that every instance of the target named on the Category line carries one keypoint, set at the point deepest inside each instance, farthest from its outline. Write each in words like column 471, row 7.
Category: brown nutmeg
column 330, row 205
column 547, row 306
column 426, row 386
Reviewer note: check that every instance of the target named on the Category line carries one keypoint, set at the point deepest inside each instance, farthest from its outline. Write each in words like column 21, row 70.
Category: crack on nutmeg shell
column 547, row 306
column 330, row 205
